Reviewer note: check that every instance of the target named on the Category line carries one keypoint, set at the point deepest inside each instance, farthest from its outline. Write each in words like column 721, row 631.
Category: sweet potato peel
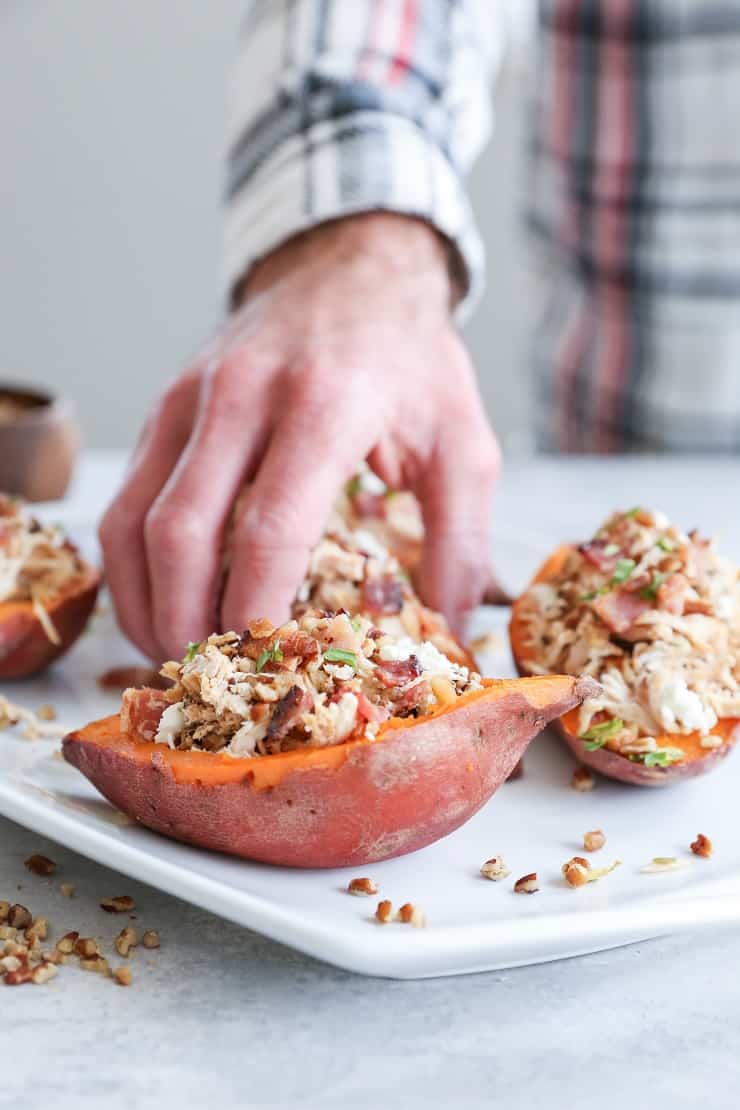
column 25, row 647
column 353, row 803
column 697, row 759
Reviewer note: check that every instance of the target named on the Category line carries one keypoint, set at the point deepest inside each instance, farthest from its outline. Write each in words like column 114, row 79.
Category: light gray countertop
column 222, row 1017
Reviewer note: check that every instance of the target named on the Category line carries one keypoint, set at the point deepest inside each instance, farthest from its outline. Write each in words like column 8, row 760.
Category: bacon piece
column 671, row 595
column 397, row 672
column 382, row 596
column 593, row 552
column 619, row 609
column 287, row 712
column 369, row 506
column 141, row 711
column 370, row 712
column 411, row 698
column 299, row 644
column 251, row 647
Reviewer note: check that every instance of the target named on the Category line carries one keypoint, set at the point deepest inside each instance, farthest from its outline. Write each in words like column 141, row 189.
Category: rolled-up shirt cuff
column 363, row 162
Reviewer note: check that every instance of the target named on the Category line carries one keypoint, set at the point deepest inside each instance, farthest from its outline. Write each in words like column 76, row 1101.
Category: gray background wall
column 112, row 117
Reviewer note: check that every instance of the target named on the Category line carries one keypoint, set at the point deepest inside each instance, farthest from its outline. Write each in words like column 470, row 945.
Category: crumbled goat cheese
column 681, row 710
column 171, row 724
column 369, row 544
column 431, row 661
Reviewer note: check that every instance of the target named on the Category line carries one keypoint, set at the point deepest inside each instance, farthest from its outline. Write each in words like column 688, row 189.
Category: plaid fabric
column 346, row 106
column 350, row 105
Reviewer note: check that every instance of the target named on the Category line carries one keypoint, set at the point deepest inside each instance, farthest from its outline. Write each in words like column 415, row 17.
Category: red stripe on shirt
column 565, row 366
column 407, row 33
column 613, row 184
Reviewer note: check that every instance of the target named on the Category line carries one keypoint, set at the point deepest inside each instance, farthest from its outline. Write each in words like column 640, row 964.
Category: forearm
column 336, row 117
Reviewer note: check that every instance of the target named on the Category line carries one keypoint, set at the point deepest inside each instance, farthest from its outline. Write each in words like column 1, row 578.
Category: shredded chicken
column 362, row 565
column 654, row 615
column 315, row 681
column 37, row 561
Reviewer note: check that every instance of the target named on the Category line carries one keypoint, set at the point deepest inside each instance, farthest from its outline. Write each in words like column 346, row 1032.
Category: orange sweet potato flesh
column 25, row 648
column 351, row 804
column 697, row 760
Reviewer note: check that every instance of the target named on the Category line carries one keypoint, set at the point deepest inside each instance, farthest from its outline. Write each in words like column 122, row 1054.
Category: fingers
column 122, row 528
column 456, row 495
column 323, row 436
column 186, row 527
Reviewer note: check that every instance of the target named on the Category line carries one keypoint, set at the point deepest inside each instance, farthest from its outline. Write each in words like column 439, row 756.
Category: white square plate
column 536, row 823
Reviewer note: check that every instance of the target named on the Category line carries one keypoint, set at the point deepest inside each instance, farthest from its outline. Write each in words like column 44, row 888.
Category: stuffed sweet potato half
column 47, row 592
column 326, row 742
column 654, row 615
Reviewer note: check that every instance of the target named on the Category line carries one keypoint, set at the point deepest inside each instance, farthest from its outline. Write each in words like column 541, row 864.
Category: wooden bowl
column 39, row 442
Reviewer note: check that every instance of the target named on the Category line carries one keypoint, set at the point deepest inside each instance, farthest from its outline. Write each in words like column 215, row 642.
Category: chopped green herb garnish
column 634, row 511
column 649, row 593
column 355, row 624
column 594, row 593
column 665, row 543
column 354, row 485
column 193, row 649
column 663, row 757
column 272, row 654
column 598, row 735
column 612, row 549
column 339, row 655
column 622, row 571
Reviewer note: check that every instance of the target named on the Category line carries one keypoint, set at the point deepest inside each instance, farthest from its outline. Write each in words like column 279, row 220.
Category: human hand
column 342, row 350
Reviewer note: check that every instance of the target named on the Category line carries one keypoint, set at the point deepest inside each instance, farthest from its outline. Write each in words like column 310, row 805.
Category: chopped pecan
column 594, row 840
column 40, row 865
column 582, row 779
column 409, row 914
column 19, row 917
column 527, row 884
column 67, row 943
column 122, row 976
column 86, row 948
column 362, row 886
column 495, row 869
column 126, row 940
column 384, row 912
column 702, row 846
column 122, row 903
column 43, row 972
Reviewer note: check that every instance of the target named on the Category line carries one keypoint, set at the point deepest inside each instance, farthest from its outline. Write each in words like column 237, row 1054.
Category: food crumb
column 702, row 846
column 495, row 869
column 409, row 914
column 150, row 939
column 40, row 865
column 122, row 903
column 527, row 884
column 123, row 976
column 384, row 912
column 582, row 779
column 67, row 889
column 46, row 713
column 363, row 886
column 664, row 863
column 594, row 840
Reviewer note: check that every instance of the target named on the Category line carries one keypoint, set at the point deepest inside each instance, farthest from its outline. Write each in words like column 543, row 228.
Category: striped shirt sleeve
column 342, row 108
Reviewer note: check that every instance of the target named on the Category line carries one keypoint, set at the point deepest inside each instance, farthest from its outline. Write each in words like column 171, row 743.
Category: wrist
column 394, row 245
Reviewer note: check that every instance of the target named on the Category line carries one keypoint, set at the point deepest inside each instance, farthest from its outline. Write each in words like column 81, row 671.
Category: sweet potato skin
column 615, row 766
column 25, row 649
column 352, row 804
column 608, row 763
